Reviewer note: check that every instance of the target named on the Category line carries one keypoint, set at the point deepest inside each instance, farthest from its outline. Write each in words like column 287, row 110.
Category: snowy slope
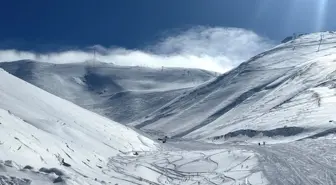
column 123, row 94
column 291, row 85
column 38, row 128
column 285, row 94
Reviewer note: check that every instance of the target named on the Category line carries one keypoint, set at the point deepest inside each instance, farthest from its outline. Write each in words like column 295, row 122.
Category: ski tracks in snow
column 217, row 167
column 297, row 163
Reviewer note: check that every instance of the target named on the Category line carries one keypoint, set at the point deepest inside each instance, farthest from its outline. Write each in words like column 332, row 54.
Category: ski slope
column 305, row 162
column 122, row 93
column 291, row 85
column 285, row 97
column 39, row 130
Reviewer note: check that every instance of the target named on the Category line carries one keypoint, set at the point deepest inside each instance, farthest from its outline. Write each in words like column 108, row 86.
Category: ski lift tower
column 94, row 59
column 320, row 42
column 94, row 54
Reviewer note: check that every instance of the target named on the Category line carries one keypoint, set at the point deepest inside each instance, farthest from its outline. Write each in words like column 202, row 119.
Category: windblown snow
column 121, row 93
column 284, row 99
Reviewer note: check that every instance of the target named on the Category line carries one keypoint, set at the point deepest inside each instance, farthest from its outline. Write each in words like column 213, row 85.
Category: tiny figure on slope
column 264, row 142
column 65, row 164
column 259, row 144
column 163, row 139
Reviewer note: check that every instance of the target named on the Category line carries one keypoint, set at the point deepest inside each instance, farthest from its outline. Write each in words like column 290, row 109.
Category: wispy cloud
column 215, row 49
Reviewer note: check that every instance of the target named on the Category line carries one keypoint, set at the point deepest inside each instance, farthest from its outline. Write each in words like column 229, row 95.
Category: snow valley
column 99, row 123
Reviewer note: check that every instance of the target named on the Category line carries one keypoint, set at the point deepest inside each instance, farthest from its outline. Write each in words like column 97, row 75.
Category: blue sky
column 50, row 25
column 132, row 23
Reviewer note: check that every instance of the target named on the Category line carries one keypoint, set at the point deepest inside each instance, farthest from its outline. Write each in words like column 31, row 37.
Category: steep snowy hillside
column 40, row 129
column 285, row 94
column 123, row 94
column 46, row 140
column 286, row 91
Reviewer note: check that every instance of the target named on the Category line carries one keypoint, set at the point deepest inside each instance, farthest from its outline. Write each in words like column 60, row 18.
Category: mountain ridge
column 102, row 86
column 262, row 77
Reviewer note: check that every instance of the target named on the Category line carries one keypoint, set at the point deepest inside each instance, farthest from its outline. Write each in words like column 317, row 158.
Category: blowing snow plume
column 213, row 49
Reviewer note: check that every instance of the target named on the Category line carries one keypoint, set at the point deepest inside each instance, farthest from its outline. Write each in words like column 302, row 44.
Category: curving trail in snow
column 218, row 165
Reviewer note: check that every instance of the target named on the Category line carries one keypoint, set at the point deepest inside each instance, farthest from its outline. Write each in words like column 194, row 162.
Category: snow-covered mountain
column 290, row 88
column 273, row 92
column 39, row 129
column 46, row 140
column 123, row 94
column 285, row 94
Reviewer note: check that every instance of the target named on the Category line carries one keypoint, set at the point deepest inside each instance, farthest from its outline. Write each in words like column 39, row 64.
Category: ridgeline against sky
column 213, row 35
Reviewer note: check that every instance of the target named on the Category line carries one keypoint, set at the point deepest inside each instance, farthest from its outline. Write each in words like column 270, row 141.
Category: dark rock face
column 287, row 39
column 51, row 170
column 28, row 167
column 285, row 131
column 58, row 179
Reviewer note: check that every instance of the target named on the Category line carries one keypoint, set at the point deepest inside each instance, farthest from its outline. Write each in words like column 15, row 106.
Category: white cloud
column 215, row 49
